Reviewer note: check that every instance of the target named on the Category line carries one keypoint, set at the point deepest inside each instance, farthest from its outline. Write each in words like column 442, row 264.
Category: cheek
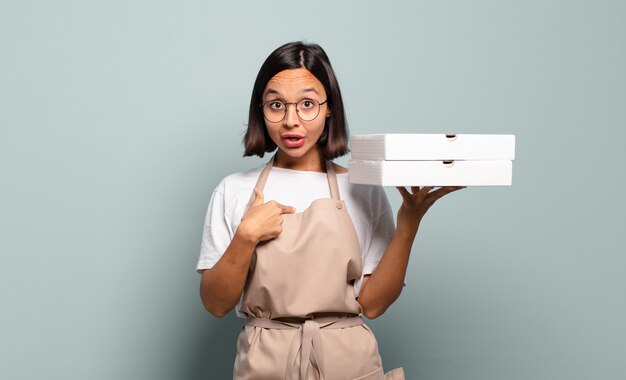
column 272, row 130
column 320, row 128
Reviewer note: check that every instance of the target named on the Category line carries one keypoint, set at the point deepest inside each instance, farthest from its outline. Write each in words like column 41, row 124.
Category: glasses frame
column 319, row 108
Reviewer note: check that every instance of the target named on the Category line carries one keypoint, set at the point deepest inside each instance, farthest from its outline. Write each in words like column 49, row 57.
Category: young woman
column 299, row 251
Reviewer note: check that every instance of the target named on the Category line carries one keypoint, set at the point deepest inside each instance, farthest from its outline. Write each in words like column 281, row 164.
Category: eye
column 307, row 103
column 276, row 105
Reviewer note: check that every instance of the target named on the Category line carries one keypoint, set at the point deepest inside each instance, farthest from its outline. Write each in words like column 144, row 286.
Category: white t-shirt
column 367, row 205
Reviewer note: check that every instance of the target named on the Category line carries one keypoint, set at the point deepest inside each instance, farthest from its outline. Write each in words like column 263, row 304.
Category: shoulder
column 232, row 194
column 339, row 169
column 236, row 188
column 236, row 182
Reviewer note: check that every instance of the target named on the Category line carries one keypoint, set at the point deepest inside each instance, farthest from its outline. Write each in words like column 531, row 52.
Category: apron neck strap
column 330, row 173
column 260, row 183
column 332, row 181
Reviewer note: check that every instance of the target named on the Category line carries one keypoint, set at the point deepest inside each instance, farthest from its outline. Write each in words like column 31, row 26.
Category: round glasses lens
column 274, row 111
column 308, row 109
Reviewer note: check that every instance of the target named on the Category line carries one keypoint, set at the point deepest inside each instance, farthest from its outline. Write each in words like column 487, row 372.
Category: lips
column 293, row 140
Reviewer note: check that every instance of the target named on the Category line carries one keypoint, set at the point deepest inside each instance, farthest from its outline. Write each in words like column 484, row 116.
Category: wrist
column 245, row 238
column 407, row 221
column 407, row 230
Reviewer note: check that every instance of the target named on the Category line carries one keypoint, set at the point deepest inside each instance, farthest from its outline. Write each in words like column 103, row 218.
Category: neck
column 312, row 161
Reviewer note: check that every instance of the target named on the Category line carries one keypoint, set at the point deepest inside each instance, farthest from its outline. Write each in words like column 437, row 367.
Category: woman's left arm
column 383, row 286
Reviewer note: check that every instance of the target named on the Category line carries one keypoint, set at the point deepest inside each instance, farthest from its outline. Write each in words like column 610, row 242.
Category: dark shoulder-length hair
column 333, row 141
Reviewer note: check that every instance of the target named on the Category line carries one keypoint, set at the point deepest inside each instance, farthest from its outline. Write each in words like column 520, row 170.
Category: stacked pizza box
column 432, row 159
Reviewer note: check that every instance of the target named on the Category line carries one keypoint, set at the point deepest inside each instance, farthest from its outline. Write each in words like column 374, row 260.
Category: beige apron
column 303, row 319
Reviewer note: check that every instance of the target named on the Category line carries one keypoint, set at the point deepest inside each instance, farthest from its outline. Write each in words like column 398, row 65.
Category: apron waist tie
column 308, row 343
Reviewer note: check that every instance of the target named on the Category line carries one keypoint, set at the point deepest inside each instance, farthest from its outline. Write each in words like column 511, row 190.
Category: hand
column 263, row 221
column 418, row 201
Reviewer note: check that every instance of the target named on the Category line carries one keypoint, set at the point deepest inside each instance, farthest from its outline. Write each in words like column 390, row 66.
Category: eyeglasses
column 307, row 109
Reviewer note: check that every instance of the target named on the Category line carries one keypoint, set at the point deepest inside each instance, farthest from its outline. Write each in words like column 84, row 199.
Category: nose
column 291, row 116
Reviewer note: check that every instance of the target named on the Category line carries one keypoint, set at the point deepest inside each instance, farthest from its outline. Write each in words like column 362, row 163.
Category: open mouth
column 293, row 141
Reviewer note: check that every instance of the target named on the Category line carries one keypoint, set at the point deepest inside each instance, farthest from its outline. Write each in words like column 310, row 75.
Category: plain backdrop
column 118, row 119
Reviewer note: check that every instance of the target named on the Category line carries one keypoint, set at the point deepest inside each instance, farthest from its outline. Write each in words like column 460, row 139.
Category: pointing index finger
column 287, row 209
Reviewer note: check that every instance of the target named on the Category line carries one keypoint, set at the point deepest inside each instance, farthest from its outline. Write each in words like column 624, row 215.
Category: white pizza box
column 431, row 173
column 414, row 146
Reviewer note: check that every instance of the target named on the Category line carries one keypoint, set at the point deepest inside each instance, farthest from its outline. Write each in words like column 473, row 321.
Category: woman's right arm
column 222, row 285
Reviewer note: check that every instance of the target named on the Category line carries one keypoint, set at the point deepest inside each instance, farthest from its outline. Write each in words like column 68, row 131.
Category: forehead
column 294, row 82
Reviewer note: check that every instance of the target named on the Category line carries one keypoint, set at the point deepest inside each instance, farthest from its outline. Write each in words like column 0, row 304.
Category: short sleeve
column 217, row 232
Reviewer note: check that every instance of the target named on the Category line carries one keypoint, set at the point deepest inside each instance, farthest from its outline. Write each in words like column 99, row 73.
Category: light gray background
column 118, row 118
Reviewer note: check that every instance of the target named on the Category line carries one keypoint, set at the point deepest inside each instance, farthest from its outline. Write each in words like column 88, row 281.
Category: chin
column 292, row 153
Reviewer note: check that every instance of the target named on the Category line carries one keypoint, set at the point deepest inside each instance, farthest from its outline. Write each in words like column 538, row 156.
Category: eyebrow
column 310, row 89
